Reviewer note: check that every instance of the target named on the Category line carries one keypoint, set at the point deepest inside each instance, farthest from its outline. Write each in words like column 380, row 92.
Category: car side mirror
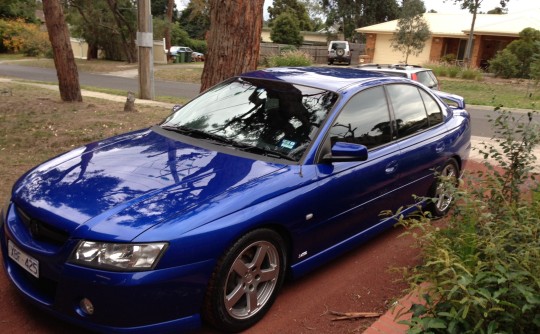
column 342, row 152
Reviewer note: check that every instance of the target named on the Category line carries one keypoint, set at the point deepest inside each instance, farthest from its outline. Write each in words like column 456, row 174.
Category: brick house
column 450, row 32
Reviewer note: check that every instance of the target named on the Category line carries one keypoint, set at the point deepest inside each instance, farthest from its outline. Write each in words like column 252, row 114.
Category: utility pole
column 145, row 43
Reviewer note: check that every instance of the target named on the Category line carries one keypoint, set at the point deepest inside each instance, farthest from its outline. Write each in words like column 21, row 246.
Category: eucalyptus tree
column 64, row 61
column 233, row 39
column 352, row 14
column 472, row 6
column 295, row 8
column 12, row 9
column 412, row 30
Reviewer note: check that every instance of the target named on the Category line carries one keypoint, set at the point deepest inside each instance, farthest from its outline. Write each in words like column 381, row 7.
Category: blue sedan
column 200, row 218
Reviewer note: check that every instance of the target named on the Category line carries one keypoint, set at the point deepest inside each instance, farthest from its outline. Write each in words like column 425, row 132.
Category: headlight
column 119, row 257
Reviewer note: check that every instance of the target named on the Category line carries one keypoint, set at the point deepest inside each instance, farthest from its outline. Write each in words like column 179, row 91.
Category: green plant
column 285, row 30
column 505, row 64
column 453, row 71
column 21, row 37
column 471, row 74
column 291, row 58
column 483, row 267
column 449, row 58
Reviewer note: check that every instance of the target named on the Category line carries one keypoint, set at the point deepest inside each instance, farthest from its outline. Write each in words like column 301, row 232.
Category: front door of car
column 353, row 194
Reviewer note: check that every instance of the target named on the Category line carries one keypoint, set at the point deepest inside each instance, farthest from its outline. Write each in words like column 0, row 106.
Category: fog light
column 86, row 306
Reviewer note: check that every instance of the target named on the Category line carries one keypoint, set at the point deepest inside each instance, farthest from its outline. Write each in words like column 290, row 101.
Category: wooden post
column 145, row 43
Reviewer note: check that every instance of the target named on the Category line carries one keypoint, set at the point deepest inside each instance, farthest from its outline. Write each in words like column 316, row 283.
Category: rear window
column 339, row 46
column 428, row 79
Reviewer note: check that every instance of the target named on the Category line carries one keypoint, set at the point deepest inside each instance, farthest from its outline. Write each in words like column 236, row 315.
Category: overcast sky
column 442, row 6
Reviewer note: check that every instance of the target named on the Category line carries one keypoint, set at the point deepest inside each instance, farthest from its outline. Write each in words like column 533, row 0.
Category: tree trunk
column 233, row 40
column 92, row 52
column 470, row 40
column 128, row 39
column 169, row 14
column 64, row 61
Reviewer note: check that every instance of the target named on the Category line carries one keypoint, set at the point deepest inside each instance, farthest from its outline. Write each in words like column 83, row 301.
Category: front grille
column 42, row 231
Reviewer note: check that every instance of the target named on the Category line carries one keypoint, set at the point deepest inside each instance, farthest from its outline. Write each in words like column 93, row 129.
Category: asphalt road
column 161, row 88
column 481, row 127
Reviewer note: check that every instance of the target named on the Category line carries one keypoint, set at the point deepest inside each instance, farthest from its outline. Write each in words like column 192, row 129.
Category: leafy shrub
column 291, row 58
column 453, row 71
column 484, row 266
column 287, row 48
column 471, row 74
column 21, row 37
column 442, row 71
column 449, row 58
column 439, row 70
column 505, row 64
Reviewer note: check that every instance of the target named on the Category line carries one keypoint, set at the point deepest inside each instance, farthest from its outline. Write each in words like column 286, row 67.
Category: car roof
column 328, row 78
column 394, row 67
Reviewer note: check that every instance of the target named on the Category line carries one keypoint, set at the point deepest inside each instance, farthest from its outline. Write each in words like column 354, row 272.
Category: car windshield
column 259, row 116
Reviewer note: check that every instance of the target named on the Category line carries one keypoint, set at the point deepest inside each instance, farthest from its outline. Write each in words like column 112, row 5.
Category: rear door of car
column 421, row 136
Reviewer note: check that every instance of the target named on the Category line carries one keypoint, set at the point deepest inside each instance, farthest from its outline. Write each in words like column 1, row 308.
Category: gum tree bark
column 64, row 61
column 233, row 39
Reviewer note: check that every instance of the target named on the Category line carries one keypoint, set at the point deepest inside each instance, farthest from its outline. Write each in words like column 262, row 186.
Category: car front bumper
column 164, row 300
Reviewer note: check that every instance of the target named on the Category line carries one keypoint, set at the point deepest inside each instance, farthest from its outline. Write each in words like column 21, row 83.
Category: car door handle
column 391, row 167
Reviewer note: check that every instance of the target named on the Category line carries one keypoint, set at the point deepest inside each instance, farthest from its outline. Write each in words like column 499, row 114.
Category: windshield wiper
column 195, row 133
column 265, row 151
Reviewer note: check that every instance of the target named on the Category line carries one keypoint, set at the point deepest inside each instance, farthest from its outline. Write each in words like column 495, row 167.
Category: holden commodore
column 201, row 217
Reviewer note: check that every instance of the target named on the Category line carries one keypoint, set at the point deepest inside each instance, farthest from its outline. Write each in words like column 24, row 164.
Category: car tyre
column 442, row 191
column 246, row 281
column 340, row 52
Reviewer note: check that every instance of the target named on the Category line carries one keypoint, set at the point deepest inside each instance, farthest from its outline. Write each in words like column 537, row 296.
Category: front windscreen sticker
column 287, row 144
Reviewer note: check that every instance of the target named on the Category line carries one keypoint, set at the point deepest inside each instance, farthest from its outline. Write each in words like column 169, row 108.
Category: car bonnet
column 124, row 185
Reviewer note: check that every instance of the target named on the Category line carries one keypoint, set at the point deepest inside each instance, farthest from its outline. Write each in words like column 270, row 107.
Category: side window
column 433, row 109
column 409, row 109
column 364, row 120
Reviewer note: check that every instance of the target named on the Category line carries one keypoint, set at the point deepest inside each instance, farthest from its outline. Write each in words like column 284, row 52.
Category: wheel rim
column 251, row 280
column 444, row 195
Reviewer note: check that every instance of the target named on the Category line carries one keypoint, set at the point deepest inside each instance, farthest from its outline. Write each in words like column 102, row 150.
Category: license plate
column 24, row 260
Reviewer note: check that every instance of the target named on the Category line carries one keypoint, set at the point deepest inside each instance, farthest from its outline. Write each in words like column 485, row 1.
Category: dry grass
column 36, row 125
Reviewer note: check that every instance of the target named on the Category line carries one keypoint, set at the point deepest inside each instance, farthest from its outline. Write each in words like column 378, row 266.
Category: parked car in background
column 266, row 175
column 413, row 72
column 197, row 56
column 339, row 52
column 176, row 49
column 189, row 54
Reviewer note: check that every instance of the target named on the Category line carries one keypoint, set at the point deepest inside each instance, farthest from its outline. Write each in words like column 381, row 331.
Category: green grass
column 506, row 93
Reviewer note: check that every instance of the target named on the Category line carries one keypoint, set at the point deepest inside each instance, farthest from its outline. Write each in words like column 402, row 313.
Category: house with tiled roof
column 450, row 33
